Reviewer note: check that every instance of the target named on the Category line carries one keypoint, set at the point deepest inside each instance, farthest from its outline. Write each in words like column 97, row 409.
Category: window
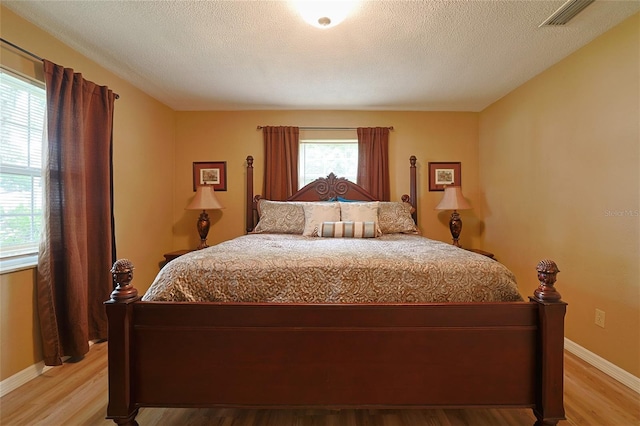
column 22, row 108
column 318, row 158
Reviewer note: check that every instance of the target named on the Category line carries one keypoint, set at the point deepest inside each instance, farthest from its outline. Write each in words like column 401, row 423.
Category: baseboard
column 12, row 383
column 603, row 365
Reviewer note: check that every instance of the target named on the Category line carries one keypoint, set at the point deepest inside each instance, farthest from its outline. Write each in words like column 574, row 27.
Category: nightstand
column 175, row 254
column 482, row 252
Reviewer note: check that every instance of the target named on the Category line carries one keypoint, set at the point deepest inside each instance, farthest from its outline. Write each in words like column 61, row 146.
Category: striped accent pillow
column 347, row 230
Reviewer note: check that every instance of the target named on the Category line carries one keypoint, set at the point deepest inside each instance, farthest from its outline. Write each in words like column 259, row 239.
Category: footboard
column 164, row 354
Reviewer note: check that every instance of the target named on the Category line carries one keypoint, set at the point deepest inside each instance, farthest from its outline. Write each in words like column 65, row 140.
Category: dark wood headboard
column 327, row 188
column 331, row 187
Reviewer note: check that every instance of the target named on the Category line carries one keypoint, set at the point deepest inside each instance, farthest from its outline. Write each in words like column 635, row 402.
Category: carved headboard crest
column 331, row 187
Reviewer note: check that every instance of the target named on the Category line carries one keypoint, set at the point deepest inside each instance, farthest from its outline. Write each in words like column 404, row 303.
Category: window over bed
column 319, row 157
column 282, row 159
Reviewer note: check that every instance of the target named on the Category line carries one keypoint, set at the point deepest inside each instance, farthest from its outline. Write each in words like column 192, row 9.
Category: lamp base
column 203, row 229
column 455, row 226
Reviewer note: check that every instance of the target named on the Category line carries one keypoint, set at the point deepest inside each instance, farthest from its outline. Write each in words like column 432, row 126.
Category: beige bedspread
column 394, row 268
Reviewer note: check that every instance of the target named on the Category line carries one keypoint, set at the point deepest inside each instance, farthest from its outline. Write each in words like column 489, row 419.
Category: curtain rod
column 324, row 128
column 33, row 55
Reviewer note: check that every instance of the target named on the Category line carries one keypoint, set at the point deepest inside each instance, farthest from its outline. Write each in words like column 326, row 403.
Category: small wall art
column 210, row 173
column 444, row 174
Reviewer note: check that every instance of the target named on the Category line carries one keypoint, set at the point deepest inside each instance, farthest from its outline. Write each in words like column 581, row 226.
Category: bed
column 341, row 339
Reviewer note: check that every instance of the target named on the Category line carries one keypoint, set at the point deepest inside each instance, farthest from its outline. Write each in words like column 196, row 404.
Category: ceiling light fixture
column 324, row 13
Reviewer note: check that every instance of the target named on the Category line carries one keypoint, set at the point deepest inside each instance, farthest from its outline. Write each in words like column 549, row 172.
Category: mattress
column 279, row 268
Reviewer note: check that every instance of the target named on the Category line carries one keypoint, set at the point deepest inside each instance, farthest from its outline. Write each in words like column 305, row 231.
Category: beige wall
column 231, row 136
column 559, row 172
column 20, row 345
column 143, row 169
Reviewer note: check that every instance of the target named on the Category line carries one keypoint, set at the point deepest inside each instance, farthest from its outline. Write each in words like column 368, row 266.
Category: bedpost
column 121, row 408
column 549, row 408
column 249, row 200
column 413, row 188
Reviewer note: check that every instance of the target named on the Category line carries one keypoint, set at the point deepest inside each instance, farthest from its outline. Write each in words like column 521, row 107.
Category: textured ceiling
column 387, row 55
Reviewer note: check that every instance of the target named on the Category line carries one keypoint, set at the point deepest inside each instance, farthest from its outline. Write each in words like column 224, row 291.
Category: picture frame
column 210, row 173
column 443, row 174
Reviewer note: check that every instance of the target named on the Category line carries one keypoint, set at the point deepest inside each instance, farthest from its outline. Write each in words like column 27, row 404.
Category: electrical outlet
column 599, row 317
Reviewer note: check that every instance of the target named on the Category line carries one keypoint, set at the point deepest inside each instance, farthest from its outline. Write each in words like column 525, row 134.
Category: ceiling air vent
column 567, row 12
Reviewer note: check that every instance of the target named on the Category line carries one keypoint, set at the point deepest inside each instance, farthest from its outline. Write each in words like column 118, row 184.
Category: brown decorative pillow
column 395, row 218
column 279, row 217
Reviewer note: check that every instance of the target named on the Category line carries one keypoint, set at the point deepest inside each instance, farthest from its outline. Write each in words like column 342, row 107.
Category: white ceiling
column 427, row 55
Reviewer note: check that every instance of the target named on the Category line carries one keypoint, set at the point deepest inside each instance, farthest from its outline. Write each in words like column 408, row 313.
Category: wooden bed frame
column 176, row 354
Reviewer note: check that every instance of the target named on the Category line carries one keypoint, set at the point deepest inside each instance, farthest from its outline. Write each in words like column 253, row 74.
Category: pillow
column 344, row 200
column 346, row 230
column 395, row 217
column 361, row 212
column 279, row 217
column 316, row 213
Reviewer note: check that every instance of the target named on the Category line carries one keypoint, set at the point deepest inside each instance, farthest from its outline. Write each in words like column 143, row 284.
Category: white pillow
column 361, row 212
column 316, row 213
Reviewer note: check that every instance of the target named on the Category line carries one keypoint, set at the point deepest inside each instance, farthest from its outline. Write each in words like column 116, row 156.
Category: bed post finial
column 549, row 408
column 547, row 271
column 122, row 272
column 121, row 407
column 413, row 183
column 249, row 200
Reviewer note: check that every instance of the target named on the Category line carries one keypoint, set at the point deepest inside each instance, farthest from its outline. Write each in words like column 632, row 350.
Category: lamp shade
column 453, row 199
column 205, row 199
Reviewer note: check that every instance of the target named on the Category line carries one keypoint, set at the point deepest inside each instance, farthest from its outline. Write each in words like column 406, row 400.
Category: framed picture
column 210, row 173
column 444, row 174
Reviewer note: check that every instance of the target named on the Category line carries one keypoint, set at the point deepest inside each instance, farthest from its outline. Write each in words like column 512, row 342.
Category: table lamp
column 454, row 200
column 204, row 200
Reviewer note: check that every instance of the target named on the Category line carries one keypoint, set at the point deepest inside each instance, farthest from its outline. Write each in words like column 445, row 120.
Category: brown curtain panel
column 77, row 247
column 281, row 146
column 373, row 161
